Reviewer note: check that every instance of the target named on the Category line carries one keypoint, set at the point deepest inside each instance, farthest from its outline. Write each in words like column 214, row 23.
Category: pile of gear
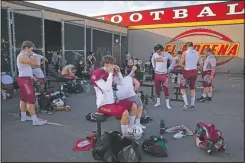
column 113, row 147
column 50, row 101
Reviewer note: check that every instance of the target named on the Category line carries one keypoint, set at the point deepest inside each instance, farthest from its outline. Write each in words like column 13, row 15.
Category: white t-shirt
column 191, row 59
column 37, row 72
column 161, row 67
column 126, row 89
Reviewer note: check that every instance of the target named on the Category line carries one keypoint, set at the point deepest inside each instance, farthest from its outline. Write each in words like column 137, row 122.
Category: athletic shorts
column 135, row 99
column 188, row 77
column 207, row 82
column 116, row 109
column 27, row 92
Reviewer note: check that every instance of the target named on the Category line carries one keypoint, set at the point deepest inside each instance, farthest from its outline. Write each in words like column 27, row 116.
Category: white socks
column 204, row 95
column 131, row 120
column 167, row 104
column 23, row 114
column 158, row 102
column 193, row 99
column 209, row 94
column 137, row 121
column 24, row 117
column 124, row 129
column 185, row 100
column 34, row 118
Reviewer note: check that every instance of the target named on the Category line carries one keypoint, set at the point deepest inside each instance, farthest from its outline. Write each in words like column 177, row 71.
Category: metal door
column 73, row 34
column 24, row 27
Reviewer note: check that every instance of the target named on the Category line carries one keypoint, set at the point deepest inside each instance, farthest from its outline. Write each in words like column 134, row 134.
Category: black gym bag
column 156, row 146
column 112, row 147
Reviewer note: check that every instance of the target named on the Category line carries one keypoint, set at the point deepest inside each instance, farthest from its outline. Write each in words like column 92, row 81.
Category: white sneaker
column 180, row 134
column 157, row 104
column 39, row 122
column 169, row 107
column 140, row 125
column 26, row 118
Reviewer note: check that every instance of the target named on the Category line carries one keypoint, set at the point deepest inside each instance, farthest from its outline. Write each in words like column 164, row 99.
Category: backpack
column 155, row 146
column 112, row 147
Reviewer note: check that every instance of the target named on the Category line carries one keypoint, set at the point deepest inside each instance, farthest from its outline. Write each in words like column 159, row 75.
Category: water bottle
column 162, row 127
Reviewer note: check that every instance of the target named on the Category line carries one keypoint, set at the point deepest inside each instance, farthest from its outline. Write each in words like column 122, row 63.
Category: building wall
column 57, row 17
column 141, row 42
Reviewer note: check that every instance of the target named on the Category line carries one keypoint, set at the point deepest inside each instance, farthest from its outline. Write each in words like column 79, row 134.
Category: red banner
column 198, row 13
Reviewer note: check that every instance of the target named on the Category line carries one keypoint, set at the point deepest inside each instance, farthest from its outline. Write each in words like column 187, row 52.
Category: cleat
column 201, row 99
column 185, row 107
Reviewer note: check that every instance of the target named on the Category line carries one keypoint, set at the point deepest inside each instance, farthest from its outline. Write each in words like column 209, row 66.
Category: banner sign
column 225, row 50
column 222, row 12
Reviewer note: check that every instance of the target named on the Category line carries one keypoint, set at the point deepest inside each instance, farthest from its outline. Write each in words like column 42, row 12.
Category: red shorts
column 27, row 92
column 116, row 109
column 72, row 77
column 188, row 77
column 207, row 82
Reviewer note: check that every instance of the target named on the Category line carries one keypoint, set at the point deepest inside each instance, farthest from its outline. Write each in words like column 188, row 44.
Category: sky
column 95, row 8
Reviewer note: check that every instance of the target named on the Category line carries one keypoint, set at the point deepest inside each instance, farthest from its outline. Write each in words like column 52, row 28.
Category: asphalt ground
column 23, row 142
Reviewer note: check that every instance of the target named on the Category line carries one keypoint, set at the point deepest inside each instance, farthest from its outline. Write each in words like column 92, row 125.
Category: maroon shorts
column 207, row 82
column 188, row 77
column 72, row 77
column 116, row 109
column 27, row 92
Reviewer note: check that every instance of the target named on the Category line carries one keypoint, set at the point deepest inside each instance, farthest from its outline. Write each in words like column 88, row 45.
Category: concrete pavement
column 54, row 142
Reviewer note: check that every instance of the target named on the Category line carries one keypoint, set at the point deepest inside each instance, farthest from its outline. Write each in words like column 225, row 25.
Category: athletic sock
column 34, row 118
column 167, row 104
column 185, row 100
column 193, row 98
column 209, row 94
column 131, row 120
column 23, row 114
column 124, row 129
column 137, row 121
column 204, row 95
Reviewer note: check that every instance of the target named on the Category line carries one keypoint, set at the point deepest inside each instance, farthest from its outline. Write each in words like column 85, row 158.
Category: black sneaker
column 208, row 98
column 192, row 107
column 185, row 107
column 201, row 99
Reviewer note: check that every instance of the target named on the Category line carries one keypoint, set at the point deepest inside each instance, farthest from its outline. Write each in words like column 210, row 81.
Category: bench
column 176, row 72
column 149, row 85
column 177, row 93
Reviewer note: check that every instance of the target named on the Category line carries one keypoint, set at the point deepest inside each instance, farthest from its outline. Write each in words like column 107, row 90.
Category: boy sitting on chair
column 106, row 100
